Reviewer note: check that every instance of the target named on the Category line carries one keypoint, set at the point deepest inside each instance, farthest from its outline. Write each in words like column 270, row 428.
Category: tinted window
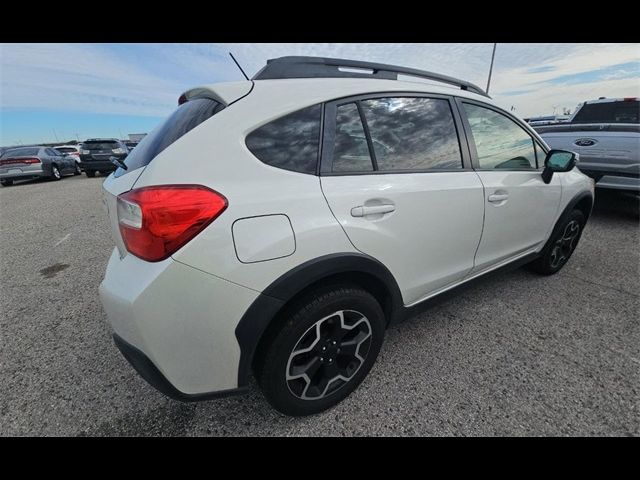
column 609, row 112
column 290, row 142
column 500, row 142
column 185, row 118
column 66, row 149
column 412, row 133
column 20, row 152
column 100, row 145
column 350, row 152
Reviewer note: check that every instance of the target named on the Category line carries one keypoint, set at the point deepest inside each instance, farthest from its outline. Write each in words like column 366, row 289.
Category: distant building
column 136, row 137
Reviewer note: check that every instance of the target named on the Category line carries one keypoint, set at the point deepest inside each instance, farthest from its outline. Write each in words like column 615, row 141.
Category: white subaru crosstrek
column 278, row 226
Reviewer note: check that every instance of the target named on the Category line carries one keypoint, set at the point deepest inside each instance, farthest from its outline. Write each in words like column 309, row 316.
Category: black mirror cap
column 567, row 164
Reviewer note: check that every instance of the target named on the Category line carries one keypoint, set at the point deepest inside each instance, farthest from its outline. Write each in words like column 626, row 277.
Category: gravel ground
column 518, row 354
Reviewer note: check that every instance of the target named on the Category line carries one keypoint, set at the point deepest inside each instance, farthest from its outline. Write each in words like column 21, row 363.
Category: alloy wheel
column 564, row 246
column 328, row 354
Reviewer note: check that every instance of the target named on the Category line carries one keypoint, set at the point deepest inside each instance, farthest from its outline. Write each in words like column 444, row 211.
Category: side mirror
column 558, row 161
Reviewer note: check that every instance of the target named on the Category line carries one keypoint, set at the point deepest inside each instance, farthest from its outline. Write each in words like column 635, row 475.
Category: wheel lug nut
column 321, row 359
column 324, row 348
column 334, row 342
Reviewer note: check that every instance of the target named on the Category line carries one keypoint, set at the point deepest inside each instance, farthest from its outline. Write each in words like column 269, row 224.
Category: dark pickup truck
column 606, row 135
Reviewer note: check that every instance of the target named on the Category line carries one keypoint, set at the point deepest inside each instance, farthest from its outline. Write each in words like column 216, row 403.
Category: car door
column 398, row 178
column 61, row 160
column 519, row 207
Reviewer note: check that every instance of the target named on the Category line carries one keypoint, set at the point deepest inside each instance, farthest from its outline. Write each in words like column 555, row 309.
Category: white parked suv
column 278, row 226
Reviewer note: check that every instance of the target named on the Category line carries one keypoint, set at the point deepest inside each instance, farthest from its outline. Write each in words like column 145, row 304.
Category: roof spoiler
column 321, row 67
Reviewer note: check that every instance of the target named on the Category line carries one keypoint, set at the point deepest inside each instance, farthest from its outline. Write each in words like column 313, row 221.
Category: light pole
column 493, row 55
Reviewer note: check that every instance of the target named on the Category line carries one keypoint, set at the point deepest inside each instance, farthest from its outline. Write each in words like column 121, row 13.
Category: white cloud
column 100, row 79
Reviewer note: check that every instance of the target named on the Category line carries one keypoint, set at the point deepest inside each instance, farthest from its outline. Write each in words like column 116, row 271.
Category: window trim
column 472, row 145
column 329, row 130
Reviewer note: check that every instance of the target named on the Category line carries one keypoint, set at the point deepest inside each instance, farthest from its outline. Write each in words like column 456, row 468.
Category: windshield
column 185, row 118
column 100, row 145
column 20, row 152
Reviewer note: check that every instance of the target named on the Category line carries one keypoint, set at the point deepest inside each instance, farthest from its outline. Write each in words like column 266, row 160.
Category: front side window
column 500, row 142
column 290, row 142
column 412, row 133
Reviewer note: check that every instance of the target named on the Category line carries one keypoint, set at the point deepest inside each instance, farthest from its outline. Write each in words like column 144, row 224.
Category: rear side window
column 412, row 133
column 20, row 152
column 290, row 142
column 350, row 151
column 185, row 118
column 609, row 112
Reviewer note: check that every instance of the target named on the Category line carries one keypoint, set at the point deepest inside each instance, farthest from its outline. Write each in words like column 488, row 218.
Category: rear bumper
column 179, row 322
column 147, row 370
column 98, row 165
column 22, row 173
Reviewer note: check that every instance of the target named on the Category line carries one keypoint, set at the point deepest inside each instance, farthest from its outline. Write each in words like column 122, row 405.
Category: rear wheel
column 6, row 183
column 77, row 170
column 90, row 173
column 322, row 351
column 55, row 173
column 563, row 242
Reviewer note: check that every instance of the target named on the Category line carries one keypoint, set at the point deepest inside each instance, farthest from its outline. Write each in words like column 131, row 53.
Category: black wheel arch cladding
column 266, row 307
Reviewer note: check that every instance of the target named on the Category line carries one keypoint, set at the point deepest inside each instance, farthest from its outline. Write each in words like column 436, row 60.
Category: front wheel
column 90, row 173
column 6, row 183
column 328, row 342
column 561, row 245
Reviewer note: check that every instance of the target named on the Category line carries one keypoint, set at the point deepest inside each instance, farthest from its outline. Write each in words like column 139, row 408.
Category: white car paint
column 183, row 312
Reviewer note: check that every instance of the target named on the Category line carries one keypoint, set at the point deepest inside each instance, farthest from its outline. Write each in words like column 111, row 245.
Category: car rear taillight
column 29, row 161
column 156, row 221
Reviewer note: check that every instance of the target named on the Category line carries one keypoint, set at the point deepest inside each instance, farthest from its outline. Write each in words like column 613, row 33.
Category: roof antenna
column 236, row 62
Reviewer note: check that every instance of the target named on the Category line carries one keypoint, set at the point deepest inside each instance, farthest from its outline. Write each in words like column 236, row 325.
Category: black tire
column 55, row 173
column 6, row 183
column 561, row 245
column 77, row 170
column 90, row 173
column 299, row 326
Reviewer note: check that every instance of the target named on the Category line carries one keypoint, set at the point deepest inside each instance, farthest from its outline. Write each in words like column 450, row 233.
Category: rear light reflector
column 28, row 161
column 157, row 221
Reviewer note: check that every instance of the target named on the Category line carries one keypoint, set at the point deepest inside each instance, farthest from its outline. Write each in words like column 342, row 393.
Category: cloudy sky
column 50, row 91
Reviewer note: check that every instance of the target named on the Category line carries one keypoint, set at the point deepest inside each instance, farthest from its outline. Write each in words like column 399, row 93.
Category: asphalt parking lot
column 518, row 354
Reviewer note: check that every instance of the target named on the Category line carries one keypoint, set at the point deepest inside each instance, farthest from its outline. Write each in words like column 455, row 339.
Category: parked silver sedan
column 31, row 162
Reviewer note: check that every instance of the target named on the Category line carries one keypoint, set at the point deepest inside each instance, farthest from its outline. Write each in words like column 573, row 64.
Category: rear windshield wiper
column 118, row 163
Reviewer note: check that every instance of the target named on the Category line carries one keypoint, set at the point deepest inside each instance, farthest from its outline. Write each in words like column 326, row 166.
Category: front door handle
column 364, row 210
column 498, row 197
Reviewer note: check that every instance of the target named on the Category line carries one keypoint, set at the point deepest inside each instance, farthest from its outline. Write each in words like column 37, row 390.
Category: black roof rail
column 321, row 67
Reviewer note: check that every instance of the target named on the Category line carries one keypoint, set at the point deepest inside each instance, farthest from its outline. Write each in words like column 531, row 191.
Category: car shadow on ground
column 616, row 204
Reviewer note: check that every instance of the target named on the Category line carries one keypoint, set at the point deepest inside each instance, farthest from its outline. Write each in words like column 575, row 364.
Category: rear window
column 20, row 152
column 290, row 142
column 185, row 118
column 66, row 149
column 100, row 145
column 609, row 112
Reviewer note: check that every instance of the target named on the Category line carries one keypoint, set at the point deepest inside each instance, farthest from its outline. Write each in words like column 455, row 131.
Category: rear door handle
column 498, row 197
column 364, row 210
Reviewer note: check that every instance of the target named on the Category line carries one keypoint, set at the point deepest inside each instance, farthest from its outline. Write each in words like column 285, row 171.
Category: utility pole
column 54, row 134
column 493, row 55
